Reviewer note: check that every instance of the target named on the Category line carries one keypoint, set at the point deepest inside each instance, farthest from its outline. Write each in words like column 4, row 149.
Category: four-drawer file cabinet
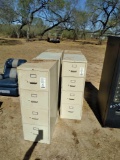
column 50, row 55
column 38, row 87
column 73, row 81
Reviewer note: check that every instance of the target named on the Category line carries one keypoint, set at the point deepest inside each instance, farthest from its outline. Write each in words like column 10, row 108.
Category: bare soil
column 72, row 139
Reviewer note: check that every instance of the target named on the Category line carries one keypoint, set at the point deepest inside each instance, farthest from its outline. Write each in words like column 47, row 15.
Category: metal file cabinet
column 73, row 80
column 52, row 55
column 38, row 87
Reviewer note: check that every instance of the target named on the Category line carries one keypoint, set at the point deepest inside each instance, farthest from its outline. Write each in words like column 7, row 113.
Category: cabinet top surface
column 49, row 56
column 72, row 52
column 74, row 58
column 54, row 50
column 38, row 65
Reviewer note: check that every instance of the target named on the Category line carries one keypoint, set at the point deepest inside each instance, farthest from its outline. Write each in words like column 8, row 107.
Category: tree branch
column 54, row 25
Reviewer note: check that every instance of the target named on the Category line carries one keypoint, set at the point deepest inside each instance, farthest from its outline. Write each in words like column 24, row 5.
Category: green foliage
column 57, row 4
column 11, row 30
column 7, row 13
column 68, row 34
column 104, row 14
column 7, row 30
column 80, row 19
column 24, row 10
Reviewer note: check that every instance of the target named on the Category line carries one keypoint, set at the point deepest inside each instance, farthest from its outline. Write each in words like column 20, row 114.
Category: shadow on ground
column 31, row 149
column 90, row 94
column 9, row 41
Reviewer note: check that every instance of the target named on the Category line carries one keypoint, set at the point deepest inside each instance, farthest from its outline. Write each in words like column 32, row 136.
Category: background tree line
column 31, row 18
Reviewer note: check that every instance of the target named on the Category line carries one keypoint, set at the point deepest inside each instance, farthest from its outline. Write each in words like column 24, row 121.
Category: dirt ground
column 72, row 139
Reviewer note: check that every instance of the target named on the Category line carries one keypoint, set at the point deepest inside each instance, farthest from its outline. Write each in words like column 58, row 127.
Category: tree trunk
column 100, row 37
column 75, row 37
column 28, row 32
column 100, row 41
column 83, row 35
column 18, row 34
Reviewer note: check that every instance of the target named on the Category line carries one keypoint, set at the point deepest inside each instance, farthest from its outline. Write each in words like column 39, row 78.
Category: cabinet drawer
column 34, row 99
column 37, row 117
column 74, row 69
column 73, row 84
column 72, row 97
column 71, row 111
column 34, row 80
column 36, row 133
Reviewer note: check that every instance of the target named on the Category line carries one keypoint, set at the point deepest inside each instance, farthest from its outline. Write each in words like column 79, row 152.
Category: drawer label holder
column 42, row 82
column 82, row 71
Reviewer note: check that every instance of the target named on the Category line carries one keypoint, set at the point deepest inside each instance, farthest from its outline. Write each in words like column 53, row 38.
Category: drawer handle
column 74, row 66
column 72, row 85
column 34, row 101
column 70, row 111
column 71, row 99
column 33, row 82
column 73, row 81
column 34, row 113
column 35, row 128
column 39, row 135
column 73, row 71
column 35, row 118
column 71, row 107
column 33, row 76
column 33, row 95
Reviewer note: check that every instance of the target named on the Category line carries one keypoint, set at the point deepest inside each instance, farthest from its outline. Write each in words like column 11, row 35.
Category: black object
column 109, row 91
column 56, row 40
column 9, row 80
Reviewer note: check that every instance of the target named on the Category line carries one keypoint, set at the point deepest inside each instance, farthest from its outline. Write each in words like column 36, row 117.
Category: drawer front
column 72, row 97
column 71, row 111
column 73, row 84
column 36, row 133
column 34, row 99
column 74, row 69
column 33, row 80
column 37, row 117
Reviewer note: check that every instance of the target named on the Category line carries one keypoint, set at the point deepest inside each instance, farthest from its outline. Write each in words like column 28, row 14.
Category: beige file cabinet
column 38, row 97
column 73, row 80
column 52, row 54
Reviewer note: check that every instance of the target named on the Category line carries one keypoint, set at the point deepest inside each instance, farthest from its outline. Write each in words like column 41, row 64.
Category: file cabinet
column 73, row 80
column 52, row 54
column 38, row 87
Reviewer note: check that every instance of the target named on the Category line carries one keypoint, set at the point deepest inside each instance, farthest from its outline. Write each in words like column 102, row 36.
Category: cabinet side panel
column 107, row 75
column 53, row 97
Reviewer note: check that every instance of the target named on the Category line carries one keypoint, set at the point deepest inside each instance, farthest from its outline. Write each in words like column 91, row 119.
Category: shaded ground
column 4, row 41
column 72, row 139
